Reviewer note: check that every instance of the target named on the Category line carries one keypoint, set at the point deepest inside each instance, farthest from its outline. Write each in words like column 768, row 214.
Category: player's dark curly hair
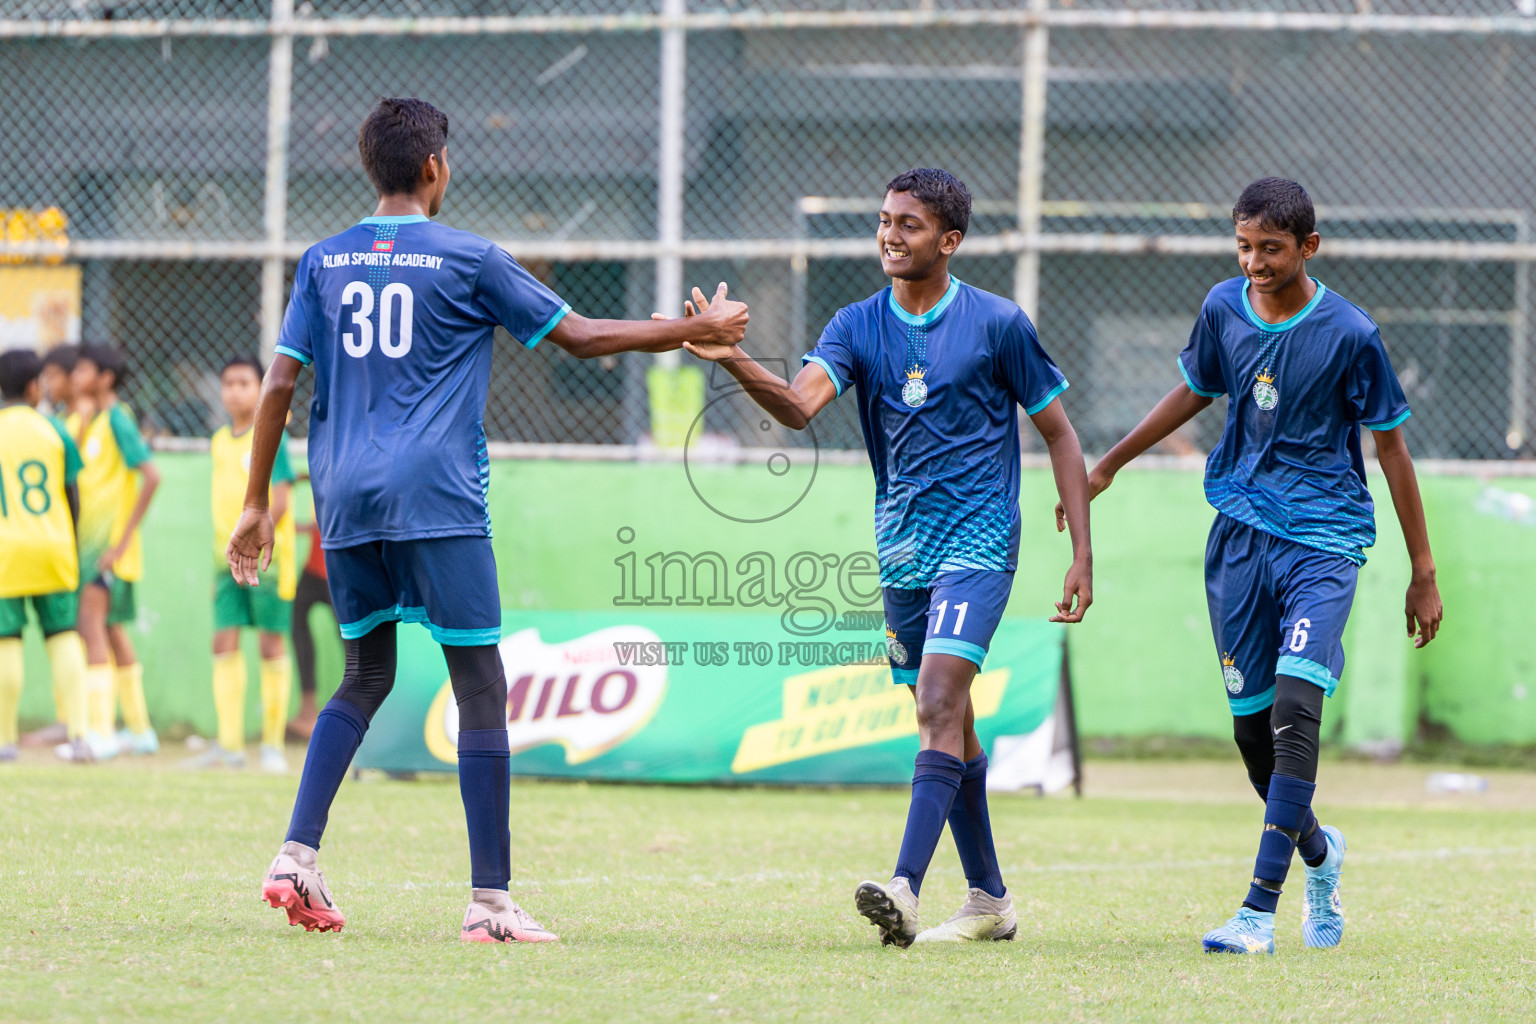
column 1278, row 203
column 18, row 369
column 395, row 140
column 945, row 195
column 62, row 356
column 244, row 359
column 107, row 360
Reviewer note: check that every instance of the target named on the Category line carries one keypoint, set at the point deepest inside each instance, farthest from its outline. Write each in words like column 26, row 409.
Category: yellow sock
column 229, row 698
column 103, row 706
column 130, row 697
column 12, row 673
column 276, row 681
column 66, row 655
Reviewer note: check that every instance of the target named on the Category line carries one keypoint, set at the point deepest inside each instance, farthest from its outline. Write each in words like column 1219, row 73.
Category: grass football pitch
column 130, row 893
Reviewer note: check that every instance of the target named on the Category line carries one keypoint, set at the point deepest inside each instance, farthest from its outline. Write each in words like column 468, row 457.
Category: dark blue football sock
column 485, row 784
column 935, row 783
column 1285, row 814
column 339, row 729
column 971, row 826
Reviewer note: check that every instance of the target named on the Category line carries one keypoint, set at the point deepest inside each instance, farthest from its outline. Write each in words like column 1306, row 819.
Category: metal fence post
column 1035, row 69
column 669, row 167
column 275, row 215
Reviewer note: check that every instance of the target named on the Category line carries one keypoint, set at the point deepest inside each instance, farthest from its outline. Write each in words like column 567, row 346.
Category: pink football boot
column 294, row 882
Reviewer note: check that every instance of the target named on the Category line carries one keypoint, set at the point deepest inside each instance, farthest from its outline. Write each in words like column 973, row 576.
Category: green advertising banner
column 681, row 697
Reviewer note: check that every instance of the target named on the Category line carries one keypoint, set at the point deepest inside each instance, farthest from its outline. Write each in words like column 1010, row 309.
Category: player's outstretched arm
column 250, row 546
column 1072, row 510
column 1176, row 408
column 721, row 322
column 793, row 404
column 1423, row 607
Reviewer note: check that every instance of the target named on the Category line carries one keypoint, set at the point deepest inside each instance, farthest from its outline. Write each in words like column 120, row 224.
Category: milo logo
column 576, row 694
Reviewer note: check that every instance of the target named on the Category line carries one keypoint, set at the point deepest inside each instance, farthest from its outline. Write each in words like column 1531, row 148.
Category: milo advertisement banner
column 723, row 698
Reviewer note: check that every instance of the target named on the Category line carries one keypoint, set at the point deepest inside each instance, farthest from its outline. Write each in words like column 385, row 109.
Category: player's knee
column 479, row 686
column 1256, row 744
column 939, row 711
column 1296, row 721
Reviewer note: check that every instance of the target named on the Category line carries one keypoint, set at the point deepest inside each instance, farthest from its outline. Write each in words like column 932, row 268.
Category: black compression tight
column 1285, row 738
column 479, row 682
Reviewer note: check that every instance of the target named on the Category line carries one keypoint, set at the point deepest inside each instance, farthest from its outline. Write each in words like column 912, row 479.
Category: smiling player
column 940, row 368
column 1304, row 369
column 397, row 315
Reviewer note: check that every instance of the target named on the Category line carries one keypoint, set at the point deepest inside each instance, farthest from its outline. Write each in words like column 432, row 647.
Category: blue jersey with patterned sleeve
column 1289, row 460
column 936, row 401
column 397, row 315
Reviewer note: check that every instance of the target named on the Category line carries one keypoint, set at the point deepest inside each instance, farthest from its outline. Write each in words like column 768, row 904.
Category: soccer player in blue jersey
column 939, row 368
column 396, row 315
column 1303, row 369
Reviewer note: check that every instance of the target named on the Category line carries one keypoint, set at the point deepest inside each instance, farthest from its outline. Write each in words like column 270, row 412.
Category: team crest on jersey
column 1230, row 674
column 895, row 648
column 915, row 391
column 1264, row 391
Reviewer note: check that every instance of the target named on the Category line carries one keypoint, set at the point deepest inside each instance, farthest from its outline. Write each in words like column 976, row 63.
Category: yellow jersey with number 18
column 112, row 449
column 231, row 469
column 37, row 535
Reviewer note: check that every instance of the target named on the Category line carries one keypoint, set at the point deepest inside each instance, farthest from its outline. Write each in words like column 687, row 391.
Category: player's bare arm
column 149, row 481
column 1176, row 408
column 722, row 322
column 794, row 404
column 1423, row 608
column 1072, row 510
column 250, row 546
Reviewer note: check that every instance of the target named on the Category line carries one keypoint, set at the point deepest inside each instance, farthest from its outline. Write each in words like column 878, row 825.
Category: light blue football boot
column 1249, row 931
column 1322, row 917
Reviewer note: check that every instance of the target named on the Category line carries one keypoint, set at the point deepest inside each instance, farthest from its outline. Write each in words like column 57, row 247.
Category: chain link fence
column 623, row 149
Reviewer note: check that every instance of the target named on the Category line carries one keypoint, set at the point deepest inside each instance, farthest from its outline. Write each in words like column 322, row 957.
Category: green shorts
column 55, row 613
column 123, row 607
column 235, row 606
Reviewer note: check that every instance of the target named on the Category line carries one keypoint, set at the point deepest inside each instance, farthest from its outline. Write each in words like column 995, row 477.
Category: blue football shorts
column 446, row 583
column 1277, row 608
column 956, row 614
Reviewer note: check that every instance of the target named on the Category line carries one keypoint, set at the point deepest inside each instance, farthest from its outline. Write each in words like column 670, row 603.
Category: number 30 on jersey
column 397, row 306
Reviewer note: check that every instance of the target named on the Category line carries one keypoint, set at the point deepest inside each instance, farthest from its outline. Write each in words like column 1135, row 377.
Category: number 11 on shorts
column 943, row 607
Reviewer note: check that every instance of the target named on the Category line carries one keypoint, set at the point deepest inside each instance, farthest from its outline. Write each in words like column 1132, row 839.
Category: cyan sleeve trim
column 1311, row 671
column 559, row 315
column 1191, row 384
column 1050, row 396
column 293, row 353
column 904, row 676
column 1249, row 705
column 832, row 374
column 959, row 648
column 1392, row 423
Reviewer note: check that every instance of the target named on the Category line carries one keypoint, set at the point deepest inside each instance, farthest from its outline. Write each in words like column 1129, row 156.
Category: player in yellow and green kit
column 116, row 486
column 38, row 561
column 267, row 607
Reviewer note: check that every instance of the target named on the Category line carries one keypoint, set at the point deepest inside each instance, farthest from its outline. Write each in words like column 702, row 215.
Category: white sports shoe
column 892, row 908
column 215, row 757
column 982, row 918
column 272, row 760
column 97, row 746
column 493, row 917
column 294, row 882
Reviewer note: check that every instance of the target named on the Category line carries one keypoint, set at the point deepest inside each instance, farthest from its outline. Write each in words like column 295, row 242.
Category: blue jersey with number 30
column 397, row 314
